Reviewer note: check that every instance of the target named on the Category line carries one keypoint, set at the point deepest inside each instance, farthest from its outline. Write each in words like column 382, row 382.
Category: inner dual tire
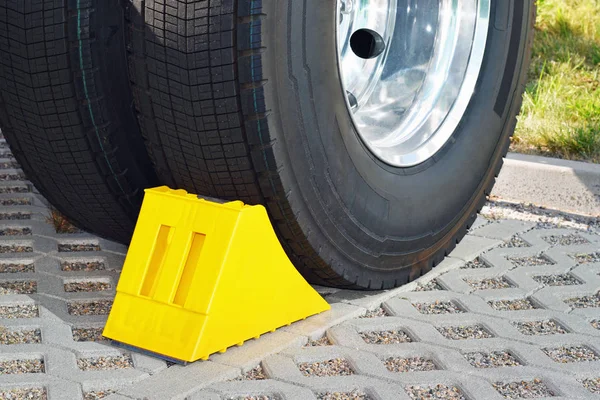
column 67, row 112
column 251, row 100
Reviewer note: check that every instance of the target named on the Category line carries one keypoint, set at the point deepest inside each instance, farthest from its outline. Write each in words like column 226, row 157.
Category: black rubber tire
column 243, row 100
column 66, row 110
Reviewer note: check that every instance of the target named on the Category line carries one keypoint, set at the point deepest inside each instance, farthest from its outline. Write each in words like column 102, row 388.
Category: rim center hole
column 366, row 43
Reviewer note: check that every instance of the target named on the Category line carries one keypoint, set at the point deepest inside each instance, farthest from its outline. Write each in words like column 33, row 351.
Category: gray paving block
column 122, row 397
column 64, row 390
column 314, row 327
column 449, row 264
column 503, row 230
column 203, row 395
column 248, row 355
column 178, row 382
column 235, row 389
column 151, row 365
column 471, row 246
column 480, row 222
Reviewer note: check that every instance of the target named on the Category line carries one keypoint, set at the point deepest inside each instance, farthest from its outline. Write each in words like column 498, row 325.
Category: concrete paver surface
column 514, row 312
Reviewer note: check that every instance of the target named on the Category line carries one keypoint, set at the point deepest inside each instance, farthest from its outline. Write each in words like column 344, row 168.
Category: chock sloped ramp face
column 201, row 276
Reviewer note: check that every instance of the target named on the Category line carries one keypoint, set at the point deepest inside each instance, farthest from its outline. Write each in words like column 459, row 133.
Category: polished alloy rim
column 409, row 69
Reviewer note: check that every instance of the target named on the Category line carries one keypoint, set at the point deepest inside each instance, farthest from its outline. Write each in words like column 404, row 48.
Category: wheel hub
column 409, row 69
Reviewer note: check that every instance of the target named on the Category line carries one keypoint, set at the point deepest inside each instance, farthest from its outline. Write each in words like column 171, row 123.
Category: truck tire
column 66, row 110
column 253, row 100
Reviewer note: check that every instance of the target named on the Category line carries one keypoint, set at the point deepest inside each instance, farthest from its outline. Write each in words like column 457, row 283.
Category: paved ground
column 513, row 313
column 560, row 184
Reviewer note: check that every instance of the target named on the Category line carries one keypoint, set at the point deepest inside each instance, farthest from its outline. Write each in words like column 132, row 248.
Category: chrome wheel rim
column 409, row 69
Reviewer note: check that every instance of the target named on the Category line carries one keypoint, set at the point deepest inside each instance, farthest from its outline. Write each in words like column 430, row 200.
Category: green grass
column 561, row 106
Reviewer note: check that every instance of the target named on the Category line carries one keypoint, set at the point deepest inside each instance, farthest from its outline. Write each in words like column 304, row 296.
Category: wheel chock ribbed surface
column 201, row 276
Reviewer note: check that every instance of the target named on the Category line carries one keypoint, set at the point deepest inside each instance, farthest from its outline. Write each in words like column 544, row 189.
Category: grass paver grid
column 87, row 311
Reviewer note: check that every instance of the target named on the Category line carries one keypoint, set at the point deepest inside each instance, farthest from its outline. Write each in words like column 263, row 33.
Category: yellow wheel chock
column 201, row 276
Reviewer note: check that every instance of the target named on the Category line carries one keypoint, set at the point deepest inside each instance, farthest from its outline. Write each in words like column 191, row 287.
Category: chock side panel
column 201, row 276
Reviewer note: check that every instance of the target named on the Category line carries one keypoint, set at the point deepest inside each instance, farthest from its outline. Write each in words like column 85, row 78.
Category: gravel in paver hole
column 91, row 265
column 11, row 177
column 255, row 374
column 513, row 242
column 9, row 165
column 596, row 324
column 588, row 258
column 18, row 287
column 19, row 311
column 96, row 307
column 61, row 224
column 489, row 283
column 571, row 354
column 386, row 337
column 324, row 341
column 23, row 201
column 439, row 307
column 475, row 264
column 435, row 392
column 565, row 240
column 548, row 225
column 530, row 261
column 14, row 189
column 412, row 364
column 25, row 366
column 97, row 394
column 87, row 286
column 523, row 390
column 15, row 248
column 512, row 305
column 15, row 215
column 24, row 394
column 592, row 384
column 545, row 327
column 333, row 367
column 15, row 231
column 464, row 332
column 353, row 395
column 428, row 287
column 87, row 334
column 14, row 268
column 105, row 363
column 76, row 247
column 495, row 359
column 584, row 301
column 379, row 312
column 557, row 280
column 19, row 336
